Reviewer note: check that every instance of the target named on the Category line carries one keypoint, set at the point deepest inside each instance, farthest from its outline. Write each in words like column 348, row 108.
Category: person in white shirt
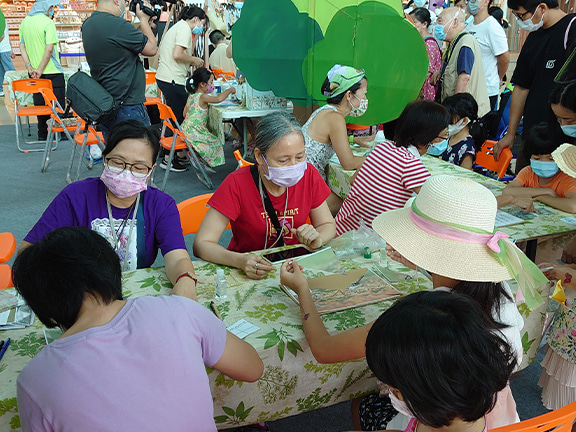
column 218, row 58
column 493, row 46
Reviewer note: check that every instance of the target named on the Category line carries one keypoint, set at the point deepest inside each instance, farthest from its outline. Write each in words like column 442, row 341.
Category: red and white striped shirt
column 385, row 181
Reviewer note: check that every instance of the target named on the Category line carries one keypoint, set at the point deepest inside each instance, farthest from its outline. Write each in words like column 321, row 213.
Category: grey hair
column 273, row 127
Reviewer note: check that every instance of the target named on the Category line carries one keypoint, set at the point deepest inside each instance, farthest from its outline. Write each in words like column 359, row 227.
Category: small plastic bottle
column 220, row 282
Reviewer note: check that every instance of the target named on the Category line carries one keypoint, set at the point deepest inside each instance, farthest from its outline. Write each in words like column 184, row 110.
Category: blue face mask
column 545, row 169
column 438, row 148
column 569, row 130
column 473, row 7
column 198, row 30
column 51, row 13
column 238, row 5
column 419, row 3
column 469, row 20
column 440, row 30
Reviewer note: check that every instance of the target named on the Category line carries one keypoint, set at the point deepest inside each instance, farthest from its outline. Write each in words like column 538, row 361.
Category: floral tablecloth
column 546, row 225
column 26, row 99
column 293, row 382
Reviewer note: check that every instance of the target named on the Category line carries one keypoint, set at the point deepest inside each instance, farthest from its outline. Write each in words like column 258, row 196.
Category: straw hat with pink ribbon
column 449, row 230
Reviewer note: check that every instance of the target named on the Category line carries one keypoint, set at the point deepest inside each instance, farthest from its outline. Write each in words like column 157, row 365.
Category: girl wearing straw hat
column 558, row 379
column 448, row 231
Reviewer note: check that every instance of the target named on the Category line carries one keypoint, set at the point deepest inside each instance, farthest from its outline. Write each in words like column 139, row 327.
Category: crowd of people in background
column 284, row 199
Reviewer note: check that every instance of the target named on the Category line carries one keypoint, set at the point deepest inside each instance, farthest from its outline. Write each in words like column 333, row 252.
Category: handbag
column 89, row 99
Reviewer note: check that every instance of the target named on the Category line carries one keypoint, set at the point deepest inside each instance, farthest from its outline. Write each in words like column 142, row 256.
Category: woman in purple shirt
column 136, row 219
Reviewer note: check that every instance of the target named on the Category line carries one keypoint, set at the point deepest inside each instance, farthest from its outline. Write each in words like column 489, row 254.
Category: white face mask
column 455, row 128
column 286, row 176
column 400, row 406
column 529, row 26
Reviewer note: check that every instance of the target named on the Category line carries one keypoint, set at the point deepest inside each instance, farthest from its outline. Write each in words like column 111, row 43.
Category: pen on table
column 215, row 310
column 4, row 348
column 1, row 344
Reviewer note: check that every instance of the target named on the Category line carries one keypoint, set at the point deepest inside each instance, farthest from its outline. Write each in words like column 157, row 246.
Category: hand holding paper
column 292, row 277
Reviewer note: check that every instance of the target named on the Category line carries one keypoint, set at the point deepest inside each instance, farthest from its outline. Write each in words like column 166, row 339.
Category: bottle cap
column 367, row 253
column 220, row 272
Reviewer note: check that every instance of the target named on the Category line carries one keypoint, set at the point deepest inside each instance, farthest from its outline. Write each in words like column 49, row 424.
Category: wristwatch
column 187, row 274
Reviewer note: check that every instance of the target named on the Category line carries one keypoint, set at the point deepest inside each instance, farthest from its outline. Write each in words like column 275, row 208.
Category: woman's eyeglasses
column 137, row 169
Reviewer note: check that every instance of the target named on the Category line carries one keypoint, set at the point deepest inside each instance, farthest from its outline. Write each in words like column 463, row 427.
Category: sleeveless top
column 317, row 153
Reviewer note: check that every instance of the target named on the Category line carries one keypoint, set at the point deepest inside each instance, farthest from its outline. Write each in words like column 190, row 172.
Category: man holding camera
column 112, row 46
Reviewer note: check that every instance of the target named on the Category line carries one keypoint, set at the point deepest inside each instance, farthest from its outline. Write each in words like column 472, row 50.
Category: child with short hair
column 440, row 361
column 200, row 87
column 542, row 180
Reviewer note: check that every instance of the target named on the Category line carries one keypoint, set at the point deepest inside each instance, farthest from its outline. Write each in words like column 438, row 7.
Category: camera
column 152, row 8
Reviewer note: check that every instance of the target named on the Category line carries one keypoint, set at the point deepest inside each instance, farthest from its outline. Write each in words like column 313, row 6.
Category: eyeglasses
column 118, row 165
column 521, row 16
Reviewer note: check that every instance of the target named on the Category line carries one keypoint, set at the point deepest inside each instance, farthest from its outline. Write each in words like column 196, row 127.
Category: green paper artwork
column 289, row 46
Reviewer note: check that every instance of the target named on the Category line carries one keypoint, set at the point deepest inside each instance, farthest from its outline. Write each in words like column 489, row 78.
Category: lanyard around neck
column 113, row 229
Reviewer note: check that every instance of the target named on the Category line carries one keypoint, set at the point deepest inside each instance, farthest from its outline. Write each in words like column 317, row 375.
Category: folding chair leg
column 170, row 158
column 47, row 147
column 199, row 168
column 20, row 135
column 82, row 151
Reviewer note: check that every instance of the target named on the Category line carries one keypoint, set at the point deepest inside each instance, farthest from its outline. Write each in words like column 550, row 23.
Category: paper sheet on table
column 242, row 328
column 337, row 281
column 7, row 301
column 505, row 219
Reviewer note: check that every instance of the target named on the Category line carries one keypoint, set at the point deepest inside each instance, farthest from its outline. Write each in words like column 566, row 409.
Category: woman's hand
column 197, row 62
column 255, row 267
column 292, row 277
column 365, row 141
column 307, row 235
column 399, row 258
column 434, row 78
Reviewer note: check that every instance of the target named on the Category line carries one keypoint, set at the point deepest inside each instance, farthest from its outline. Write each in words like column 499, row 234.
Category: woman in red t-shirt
column 295, row 189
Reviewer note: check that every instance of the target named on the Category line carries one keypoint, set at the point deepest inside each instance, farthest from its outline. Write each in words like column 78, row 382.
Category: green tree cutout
column 283, row 340
column 267, row 312
column 271, row 55
column 276, row 384
column 234, row 416
column 156, row 282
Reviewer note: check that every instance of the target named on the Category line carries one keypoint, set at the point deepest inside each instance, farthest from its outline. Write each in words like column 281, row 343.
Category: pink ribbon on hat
column 448, row 232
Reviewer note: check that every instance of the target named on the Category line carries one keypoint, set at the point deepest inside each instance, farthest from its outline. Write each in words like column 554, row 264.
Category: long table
column 293, row 382
column 543, row 227
column 217, row 114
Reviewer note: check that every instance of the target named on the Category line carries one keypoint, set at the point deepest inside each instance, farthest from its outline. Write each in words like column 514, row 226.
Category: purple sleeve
column 31, row 417
column 167, row 228
column 465, row 60
column 60, row 213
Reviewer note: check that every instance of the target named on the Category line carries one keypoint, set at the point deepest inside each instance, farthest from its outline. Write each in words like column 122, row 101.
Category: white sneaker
column 1, row 93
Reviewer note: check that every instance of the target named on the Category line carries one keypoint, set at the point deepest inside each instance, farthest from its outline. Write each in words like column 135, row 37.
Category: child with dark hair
column 542, row 180
column 466, row 134
column 195, row 125
column 444, row 329
column 563, row 104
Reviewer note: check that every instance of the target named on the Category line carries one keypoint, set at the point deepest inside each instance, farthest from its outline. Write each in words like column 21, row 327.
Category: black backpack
column 89, row 99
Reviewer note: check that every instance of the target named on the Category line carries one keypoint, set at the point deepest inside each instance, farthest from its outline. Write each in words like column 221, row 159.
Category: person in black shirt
column 112, row 46
column 542, row 56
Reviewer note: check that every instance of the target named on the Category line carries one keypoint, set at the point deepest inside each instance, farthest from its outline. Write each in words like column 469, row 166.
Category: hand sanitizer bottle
column 220, row 282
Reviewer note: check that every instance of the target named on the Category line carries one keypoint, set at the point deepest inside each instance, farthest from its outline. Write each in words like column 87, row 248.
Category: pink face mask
column 123, row 184
column 286, row 176
column 210, row 88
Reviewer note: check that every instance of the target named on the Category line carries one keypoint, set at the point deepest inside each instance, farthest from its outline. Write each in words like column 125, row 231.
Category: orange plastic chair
column 192, row 212
column 560, row 420
column 7, row 249
column 151, row 79
column 485, row 159
column 55, row 125
column 219, row 73
column 178, row 141
column 241, row 162
column 85, row 136
column 30, row 86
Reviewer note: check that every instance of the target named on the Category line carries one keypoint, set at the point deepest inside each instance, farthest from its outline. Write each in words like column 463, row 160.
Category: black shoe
column 182, row 160
column 176, row 166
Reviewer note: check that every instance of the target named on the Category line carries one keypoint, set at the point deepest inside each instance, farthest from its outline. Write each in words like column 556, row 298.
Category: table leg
column 245, row 136
column 531, row 246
